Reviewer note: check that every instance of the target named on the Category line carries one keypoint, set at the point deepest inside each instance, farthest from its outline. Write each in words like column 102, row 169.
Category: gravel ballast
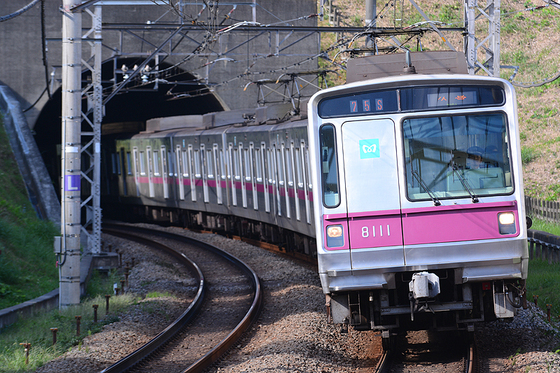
column 292, row 334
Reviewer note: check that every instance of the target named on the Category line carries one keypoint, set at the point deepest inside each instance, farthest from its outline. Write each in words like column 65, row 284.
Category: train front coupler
column 423, row 288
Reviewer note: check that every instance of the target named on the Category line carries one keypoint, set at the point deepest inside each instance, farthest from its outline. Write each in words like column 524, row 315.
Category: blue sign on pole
column 72, row 183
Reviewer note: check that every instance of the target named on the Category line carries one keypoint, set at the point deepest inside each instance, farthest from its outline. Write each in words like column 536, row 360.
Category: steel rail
column 386, row 360
column 164, row 336
column 471, row 358
column 215, row 353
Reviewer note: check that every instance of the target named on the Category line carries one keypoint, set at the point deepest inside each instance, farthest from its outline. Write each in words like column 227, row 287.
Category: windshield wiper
column 423, row 185
column 465, row 184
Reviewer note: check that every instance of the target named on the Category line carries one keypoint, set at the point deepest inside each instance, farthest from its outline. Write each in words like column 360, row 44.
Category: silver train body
column 378, row 182
column 419, row 213
column 232, row 175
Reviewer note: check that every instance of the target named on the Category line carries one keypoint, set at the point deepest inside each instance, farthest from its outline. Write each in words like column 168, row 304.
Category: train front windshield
column 457, row 156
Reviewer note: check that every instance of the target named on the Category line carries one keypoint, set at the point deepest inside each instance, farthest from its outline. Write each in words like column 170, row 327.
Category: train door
column 179, row 154
column 206, row 172
column 218, row 173
column 253, row 168
column 273, row 179
column 233, row 161
column 124, row 170
column 306, row 181
column 372, row 194
column 292, row 162
column 191, row 173
column 138, row 168
column 265, row 181
column 164, row 172
column 245, row 173
column 150, row 171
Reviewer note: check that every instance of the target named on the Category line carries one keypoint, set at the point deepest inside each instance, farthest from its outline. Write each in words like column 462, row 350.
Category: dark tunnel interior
column 175, row 93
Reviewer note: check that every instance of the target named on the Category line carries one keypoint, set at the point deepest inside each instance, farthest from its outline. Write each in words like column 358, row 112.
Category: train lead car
column 419, row 208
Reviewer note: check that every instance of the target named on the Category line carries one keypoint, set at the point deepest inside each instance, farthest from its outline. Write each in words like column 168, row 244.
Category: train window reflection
column 329, row 169
column 457, row 156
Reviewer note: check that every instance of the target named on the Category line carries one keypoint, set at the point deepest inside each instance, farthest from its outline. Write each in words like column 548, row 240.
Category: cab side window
column 329, row 166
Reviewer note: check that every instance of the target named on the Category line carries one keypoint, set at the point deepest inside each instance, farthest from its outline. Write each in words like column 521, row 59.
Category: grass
column 544, row 278
column 528, row 154
column 27, row 262
column 37, row 331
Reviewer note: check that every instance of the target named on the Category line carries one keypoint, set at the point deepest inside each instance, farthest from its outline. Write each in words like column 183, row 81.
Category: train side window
column 329, row 166
column 166, row 162
column 178, row 168
column 299, row 169
column 247, row 161
column 191, row 173
column 197, row 172
column 155, row 165
column 185, row 163
column 170, row 163
column 280, row 160
column 270, row 162
column 289, row 166
column 275, row 155
column 222, row 164
column 233, row 169
column 128, row 164
column 307, row 163
column 258, row 165
column 210, row 164
column 115, row 164
column 236, row 168
column 142, row 163
column 217, row 171
column 264, row 176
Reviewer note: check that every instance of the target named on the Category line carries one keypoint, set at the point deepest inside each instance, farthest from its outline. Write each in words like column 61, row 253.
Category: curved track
column 148, row 358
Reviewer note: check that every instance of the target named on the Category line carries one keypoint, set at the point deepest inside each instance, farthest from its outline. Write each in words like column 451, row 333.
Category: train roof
column 385, row 65
column 255, row 116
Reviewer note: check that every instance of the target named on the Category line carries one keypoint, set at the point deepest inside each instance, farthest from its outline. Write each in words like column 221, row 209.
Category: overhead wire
column 19, row 12
column 213, row 31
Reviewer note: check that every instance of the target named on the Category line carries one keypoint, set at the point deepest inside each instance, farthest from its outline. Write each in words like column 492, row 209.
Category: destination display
column 410, row 99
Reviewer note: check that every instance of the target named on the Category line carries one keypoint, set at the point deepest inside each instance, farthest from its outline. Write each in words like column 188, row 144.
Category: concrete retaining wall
column 30, row 163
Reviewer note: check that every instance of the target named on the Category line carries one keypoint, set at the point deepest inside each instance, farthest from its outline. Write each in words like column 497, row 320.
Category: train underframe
column 457, row 306
column 286, row 240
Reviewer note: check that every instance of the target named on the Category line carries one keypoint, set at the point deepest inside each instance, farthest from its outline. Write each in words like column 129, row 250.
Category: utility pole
column 371, row 12
column 371, row 21
column 69, row 247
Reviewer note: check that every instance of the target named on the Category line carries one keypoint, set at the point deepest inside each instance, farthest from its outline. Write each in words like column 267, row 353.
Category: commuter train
column 408, row 190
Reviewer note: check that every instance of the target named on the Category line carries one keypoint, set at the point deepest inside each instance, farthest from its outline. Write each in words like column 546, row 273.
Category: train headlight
column 335, row 236
column 506, row 222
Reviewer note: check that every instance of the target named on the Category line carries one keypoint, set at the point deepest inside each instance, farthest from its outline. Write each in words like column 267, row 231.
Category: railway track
column 430, row 352
column 206, row 329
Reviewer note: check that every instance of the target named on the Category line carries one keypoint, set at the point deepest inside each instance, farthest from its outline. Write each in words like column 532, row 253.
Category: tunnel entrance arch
column 160, row 91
